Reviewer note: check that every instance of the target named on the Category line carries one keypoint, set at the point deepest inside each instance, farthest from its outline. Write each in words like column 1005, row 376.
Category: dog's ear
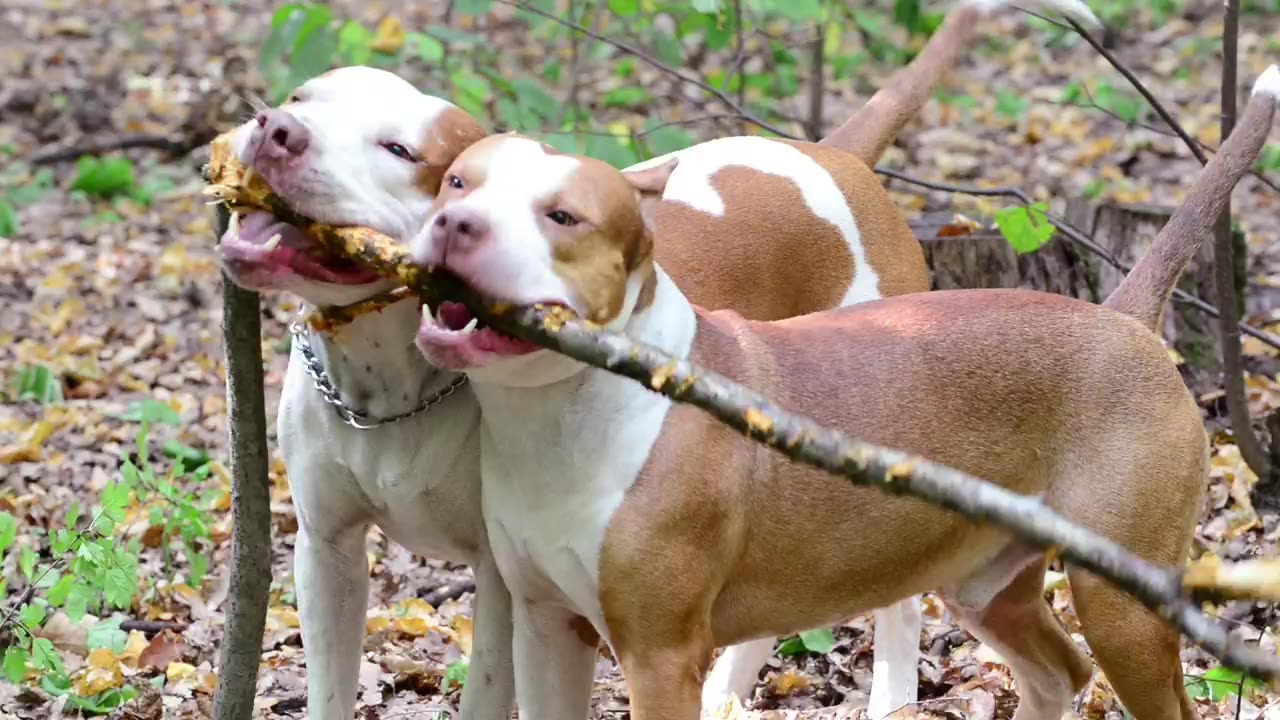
column 651, row 180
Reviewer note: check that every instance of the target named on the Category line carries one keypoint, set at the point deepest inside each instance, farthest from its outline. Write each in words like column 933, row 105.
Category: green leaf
column 1010, row 104
column 706, row 6
column 625, row 96
column 104, row 177
column 72, row 515
column 27, row 563
column 57, row 595
column 15, row 664
column 800, row 10
column 627, row 8
column 79, row 597
column 120, row 588
column 107, row 634
column 188, row 457
column 1269, row 160
column 151, row 411
column 531, row 95
column 455, row 674
column 429, row 49
column 1222, row 681
column 1026, row 229
column 470, row 91
column 39, row 383
column 8, row 530
column 667, row 139
column 355, row 43
column 199, row 568
column 45, row 656
column 474, row 7
column 8, row 219
column 313, row 55
column 818, row 641
column 792, row 646
column 615, row 151
column 31, row 615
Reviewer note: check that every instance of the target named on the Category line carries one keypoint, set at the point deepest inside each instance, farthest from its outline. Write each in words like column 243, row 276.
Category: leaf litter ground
column 120, row 300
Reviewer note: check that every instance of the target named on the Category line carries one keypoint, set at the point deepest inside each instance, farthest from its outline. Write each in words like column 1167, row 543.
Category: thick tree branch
column 241, row 649
column 1160, row 589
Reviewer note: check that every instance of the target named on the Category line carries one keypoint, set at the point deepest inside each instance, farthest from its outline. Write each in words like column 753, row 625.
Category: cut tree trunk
column 985, row 260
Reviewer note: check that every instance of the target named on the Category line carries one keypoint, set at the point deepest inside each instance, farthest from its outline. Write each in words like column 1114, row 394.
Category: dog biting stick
column 1164, row 591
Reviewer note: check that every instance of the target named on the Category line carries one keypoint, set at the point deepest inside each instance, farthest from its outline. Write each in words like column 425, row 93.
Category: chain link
column 355, row 418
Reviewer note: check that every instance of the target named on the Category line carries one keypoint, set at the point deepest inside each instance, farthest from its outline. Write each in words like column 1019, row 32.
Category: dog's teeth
column 426, row 313
column 272, row 242
column 471, row 326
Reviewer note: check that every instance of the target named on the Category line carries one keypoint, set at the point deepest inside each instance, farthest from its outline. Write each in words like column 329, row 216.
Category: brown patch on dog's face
column 445, row 139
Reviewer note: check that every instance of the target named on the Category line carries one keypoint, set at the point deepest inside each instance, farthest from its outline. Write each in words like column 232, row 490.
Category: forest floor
column 121, row 301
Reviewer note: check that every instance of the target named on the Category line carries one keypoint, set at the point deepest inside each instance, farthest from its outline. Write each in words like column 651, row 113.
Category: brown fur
column 772, row 258
column 445, row 139
column 1038, row 393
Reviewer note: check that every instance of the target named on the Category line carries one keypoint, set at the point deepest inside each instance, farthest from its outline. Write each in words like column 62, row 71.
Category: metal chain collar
column 355, row 418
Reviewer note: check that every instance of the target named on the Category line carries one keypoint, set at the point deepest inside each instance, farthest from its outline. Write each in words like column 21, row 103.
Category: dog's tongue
column 259, row 227
column 454, row 315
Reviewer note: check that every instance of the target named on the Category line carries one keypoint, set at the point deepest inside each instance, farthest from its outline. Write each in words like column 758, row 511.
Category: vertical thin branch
column 817, row 82
column 241, row 649
column 1224, row 269
column 740, row 39
column 575, row 73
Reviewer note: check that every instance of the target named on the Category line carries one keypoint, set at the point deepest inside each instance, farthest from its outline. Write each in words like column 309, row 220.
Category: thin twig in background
column 1224, row 268
column 655, row 63
column 817, row 82
column 740, row 39
column 170, row 145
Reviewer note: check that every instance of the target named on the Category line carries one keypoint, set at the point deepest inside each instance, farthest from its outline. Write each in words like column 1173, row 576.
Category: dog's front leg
column 332, row 583
column 555, row 658
column 895, row 674
column 490, row 689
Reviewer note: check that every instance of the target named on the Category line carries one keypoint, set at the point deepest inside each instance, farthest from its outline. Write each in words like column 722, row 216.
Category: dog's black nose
column 285, row 134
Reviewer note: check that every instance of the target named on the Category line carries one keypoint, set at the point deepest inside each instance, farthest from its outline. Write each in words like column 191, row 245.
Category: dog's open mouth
column 452, row 337
column 258, row 244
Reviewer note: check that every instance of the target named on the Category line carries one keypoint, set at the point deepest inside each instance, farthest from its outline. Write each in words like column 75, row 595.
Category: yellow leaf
column 415, row 626
column 96, row 680
column 206, row 682
column 788, row 682
column 462, row 633
column 389, row 37
column 133, row 648
column 376, row 624
column 179, row 671
column 102, row 658
column 283, row 617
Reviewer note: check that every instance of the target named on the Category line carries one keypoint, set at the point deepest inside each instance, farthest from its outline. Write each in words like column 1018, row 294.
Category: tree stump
column 984, row 259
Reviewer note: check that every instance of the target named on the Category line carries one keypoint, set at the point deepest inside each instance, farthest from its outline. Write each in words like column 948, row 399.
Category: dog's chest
column 418, row 479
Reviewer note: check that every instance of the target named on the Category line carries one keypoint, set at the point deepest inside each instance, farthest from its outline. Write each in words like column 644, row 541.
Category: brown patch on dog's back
column 452, row 132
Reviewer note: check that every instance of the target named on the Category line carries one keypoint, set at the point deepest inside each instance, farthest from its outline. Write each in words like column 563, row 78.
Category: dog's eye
column 399, row 151
column 454, row 182
column 561, row 217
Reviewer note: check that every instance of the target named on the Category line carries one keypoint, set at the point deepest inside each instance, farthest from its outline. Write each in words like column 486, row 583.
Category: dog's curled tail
column 873, row 127
column 1147, row 288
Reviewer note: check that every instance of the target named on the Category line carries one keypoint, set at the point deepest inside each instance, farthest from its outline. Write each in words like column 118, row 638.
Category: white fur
column 690, row 184
column 1268, row 82
column 1074, row 9
column 513, row 198
column 555, row 471
column 418, row 480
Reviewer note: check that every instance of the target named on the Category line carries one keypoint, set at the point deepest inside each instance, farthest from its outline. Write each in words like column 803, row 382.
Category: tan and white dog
column 608, row 507
column 359, row 146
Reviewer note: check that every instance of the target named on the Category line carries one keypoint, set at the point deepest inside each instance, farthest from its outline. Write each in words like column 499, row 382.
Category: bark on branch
column 1161, row 589
column 248, row 597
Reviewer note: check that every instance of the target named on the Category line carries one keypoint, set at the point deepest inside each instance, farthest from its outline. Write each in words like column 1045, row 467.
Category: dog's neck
column 373, row 363
column 592, row 418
